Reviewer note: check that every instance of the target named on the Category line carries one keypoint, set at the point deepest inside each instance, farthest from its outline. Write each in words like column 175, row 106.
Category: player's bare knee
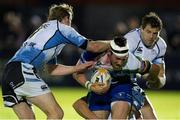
column 23, row 111
column 27, row 116
column 76, row 104
column 55, row 113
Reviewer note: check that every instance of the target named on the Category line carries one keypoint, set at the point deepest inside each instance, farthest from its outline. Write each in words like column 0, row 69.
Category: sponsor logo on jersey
column 153, row 51
column 11, row 84
column 32, row 44
column 139, row 50
column 44, row 87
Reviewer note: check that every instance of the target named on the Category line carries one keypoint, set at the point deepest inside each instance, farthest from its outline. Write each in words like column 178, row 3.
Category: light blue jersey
column 136, row 46
column 47, row 42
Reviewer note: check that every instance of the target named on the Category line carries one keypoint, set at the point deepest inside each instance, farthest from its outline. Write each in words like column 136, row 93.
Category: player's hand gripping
column 83, row 67
column 99, row 88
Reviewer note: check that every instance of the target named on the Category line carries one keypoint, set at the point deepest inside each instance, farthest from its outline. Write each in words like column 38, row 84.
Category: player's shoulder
column 161, row 43
column 52, row 22
column 133, row 33
column 133, row 62
column 51, row 25
column 132, row 57
column 133, row 38
column 62, row 26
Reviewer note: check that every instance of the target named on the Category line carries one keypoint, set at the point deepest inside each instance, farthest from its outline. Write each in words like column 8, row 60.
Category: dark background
column 96, row 19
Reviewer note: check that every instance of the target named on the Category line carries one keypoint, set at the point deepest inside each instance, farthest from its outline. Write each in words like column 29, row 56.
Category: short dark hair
column 119, row 46
column 153, row 20
column 120, row 41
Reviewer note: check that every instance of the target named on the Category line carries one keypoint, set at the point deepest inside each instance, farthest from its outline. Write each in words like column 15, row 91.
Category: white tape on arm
column 88, row 85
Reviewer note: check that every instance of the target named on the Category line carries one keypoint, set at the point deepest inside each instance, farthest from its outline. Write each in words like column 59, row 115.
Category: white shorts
column 20, row 80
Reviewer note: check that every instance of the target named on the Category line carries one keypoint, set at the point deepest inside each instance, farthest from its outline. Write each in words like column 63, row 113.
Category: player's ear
column 109, row 53
column 142, row 28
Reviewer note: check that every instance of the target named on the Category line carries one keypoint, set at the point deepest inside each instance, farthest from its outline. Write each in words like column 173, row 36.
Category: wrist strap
column 88, row 85
column 145, row 67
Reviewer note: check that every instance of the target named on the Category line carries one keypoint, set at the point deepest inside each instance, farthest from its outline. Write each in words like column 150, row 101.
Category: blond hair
column 58, row 12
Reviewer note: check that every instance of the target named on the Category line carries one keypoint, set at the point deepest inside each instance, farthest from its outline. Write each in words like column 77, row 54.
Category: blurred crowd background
column 96, row 19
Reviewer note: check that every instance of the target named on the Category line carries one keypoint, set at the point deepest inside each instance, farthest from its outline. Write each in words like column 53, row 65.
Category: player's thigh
column 102, row 114
column 135, row 115
column 46, row 103
column 147, row 110
column 120, row 109
column 23, row 111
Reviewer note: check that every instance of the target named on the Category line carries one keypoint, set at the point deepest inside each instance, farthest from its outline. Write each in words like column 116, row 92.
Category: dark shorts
column 138, row 97
column 130, row 93
column 121, row 92
column 12, row 78
column 99, row 102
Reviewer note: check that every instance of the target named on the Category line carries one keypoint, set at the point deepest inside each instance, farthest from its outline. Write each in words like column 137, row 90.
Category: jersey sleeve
column 52, row 61
column 132, row 40
column 88, row 56
column 133, row 64
column 160, row 57
column 137, row 65
column 72, row 36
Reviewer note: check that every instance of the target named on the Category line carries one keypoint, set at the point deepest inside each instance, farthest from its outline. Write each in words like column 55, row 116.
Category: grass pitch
column 166, row 104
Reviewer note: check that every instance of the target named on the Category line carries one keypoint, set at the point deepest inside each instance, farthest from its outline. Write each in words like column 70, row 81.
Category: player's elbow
column 157, row 84
column 94, row 48
column 162, row 82
column 74, row 75
column 51, row 69
column 76, row 105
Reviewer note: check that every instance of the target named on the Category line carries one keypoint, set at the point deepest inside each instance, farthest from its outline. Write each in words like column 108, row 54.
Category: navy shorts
column 121, row 92
column 99, row 102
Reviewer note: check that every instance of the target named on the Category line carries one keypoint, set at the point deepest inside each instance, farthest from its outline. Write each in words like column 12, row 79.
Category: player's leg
column 48, row 105
column 23, row 111
column 13, row 78
column 36, row 91
column 81, row 107
column 121, row 100
column 100, row 104
column 147, row 110
column 135, row 115
column 120, row 109
column 138, row 100
column 102, row 114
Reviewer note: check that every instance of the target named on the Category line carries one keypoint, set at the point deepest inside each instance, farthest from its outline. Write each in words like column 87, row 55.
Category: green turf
column 166, row 103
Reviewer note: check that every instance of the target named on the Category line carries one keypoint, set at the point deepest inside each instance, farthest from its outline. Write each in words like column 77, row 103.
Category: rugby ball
column 101, row 75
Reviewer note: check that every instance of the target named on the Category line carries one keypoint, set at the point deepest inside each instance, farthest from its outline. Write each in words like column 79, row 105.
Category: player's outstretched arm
column 98, row 46
column 82, row 109
column 60, row 69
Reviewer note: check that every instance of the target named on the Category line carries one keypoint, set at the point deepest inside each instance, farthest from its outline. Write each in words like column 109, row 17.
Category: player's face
column 118, row 62
column 67, row 20
column 149, row 35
